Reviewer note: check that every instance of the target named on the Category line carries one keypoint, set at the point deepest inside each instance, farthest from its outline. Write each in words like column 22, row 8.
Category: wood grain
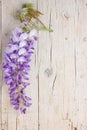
column 0, row 63
column 59, row 68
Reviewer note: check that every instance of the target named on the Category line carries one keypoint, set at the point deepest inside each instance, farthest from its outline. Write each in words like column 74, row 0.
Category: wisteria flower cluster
column 18, row 54
column 17, row 59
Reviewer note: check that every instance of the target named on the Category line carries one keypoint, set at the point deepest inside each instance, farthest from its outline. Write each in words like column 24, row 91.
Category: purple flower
column 17, row 59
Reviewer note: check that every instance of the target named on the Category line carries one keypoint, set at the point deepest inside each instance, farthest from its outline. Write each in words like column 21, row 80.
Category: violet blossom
column 17, row 59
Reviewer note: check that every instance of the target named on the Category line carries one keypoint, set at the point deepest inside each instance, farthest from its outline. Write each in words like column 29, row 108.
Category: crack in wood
column 78, row 13
column 75, row 63
column 50, row 38
column 54, row 83
column 56, row 8
column 50, row 20
column 38, row 103
column 51, row 51
column 16, row 123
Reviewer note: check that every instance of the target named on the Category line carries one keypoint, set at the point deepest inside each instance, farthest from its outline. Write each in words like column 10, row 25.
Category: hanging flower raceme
column 17, row 57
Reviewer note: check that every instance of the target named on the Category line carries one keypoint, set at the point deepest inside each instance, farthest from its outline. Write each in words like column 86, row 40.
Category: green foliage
column 32, row 15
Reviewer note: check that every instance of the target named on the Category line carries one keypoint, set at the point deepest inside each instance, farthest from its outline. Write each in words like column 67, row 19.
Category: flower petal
column 13, row 56
column 22, row 51
column 32, row 33
column 27, row 104
column 21, row 59
column 23, row 36
column 22, row 44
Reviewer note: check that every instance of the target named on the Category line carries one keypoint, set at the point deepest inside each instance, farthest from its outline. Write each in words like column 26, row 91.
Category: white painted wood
column 0, row 62
column 11, row 120
column 59, row 68
column 64, row 91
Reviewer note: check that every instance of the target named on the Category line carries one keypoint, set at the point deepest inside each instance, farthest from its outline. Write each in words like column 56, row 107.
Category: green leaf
column 29, row 13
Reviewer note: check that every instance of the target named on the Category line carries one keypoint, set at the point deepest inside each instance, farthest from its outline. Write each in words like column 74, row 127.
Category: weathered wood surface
column 59, row 68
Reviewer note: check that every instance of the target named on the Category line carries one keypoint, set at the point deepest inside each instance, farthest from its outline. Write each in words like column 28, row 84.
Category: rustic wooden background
column 59, row 68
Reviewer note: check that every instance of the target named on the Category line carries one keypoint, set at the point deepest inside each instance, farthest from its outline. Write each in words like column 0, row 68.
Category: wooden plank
column 81, row 66
column 10, row 118
column 61, row 65
column 0, row 62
